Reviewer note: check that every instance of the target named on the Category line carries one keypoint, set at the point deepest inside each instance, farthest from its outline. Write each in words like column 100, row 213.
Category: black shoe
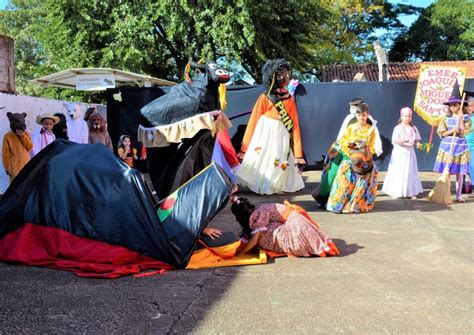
column 320, row 199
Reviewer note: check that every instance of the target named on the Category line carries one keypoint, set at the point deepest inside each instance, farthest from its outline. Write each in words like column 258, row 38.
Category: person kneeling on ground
column 281, row 228
column 355, row 186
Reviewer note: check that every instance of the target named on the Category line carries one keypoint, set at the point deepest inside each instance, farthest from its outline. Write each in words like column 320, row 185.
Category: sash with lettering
column 282, row 112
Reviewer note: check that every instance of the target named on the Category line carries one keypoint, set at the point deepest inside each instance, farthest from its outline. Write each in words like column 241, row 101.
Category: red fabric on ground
column 229, row 153
column 55, row 248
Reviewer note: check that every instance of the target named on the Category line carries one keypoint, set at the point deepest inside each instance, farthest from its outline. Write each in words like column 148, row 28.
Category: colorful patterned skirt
column 352, row 193
column 458, row 162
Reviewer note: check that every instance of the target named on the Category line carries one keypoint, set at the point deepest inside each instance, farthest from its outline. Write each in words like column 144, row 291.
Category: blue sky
column 406, row 20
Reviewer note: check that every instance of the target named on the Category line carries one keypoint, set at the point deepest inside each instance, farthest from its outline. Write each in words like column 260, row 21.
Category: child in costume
column 60, row 129
column 355, row 185
column 44, row 136
column 350, row 119
column 454, row 127
column 272, row 138
column 16, row 145
column 98, row 132
column 402, row 175
column 125, row 150
column 77, row 129
column 281, row 228
column 339, row 151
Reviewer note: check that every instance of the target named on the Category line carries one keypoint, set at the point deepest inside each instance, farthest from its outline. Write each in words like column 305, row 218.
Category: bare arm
column 252, row 244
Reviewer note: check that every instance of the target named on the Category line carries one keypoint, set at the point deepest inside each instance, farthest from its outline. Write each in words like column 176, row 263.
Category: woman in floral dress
column 281, row 228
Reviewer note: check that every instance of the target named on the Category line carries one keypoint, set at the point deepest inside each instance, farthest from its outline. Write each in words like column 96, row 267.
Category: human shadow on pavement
column 346, row 249
column 385, row 203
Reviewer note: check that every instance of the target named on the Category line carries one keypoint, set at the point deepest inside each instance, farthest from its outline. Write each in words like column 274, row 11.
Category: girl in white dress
column 402, row 175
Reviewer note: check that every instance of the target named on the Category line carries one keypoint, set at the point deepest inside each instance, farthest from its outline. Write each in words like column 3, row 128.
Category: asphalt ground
column 405, row 268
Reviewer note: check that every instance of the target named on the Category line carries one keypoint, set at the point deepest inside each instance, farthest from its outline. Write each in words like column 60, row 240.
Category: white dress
column 402, row 175
column 269, row 165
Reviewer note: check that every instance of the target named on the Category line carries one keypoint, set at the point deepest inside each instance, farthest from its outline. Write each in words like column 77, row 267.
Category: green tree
column 159, row 37
column 350, row 28
column 443, row 31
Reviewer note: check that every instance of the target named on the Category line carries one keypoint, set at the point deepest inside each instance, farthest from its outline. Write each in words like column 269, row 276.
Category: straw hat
column 40, row 118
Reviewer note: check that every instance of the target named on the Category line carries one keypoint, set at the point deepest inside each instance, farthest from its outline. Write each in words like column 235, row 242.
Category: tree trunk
column 382, row 61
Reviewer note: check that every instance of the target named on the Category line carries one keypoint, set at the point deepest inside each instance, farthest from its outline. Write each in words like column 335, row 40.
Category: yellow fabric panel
column 355, row 133
column 204, row 258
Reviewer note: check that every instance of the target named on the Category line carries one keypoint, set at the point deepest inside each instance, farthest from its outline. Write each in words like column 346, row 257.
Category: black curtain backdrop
column 123, row 116
column 321, row 109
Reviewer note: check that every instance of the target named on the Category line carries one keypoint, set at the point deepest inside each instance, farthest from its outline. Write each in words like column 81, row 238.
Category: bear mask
column 17, row 121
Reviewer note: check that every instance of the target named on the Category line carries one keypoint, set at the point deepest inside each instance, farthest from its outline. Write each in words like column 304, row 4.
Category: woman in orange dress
column 271, row 151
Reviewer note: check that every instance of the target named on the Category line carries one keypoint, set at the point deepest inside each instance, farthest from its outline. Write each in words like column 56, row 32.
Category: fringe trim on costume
column 162, row 136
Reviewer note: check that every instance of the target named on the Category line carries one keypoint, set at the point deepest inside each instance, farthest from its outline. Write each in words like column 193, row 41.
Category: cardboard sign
column 435, row 85
column 94, row 82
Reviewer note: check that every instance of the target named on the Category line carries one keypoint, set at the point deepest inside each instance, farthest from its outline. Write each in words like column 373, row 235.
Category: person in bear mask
column 16, row 145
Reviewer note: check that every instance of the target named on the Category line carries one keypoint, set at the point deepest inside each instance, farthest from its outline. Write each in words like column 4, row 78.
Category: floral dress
column 287, row 229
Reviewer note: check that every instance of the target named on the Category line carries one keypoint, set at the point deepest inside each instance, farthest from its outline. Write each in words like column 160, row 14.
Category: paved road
column 406, row 268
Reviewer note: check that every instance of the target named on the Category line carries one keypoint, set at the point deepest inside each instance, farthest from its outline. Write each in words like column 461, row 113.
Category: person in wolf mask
column 77, row 130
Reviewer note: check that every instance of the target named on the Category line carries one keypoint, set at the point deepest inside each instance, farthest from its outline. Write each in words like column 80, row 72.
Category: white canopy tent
column 96, row 79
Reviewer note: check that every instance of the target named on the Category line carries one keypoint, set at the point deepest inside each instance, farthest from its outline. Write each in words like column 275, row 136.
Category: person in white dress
column 402, row 176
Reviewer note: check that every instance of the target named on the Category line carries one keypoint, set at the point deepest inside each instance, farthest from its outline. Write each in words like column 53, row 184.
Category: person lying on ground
column 281, row 228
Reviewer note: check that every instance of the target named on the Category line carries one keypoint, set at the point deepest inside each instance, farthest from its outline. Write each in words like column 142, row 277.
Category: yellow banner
column 435, row 85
